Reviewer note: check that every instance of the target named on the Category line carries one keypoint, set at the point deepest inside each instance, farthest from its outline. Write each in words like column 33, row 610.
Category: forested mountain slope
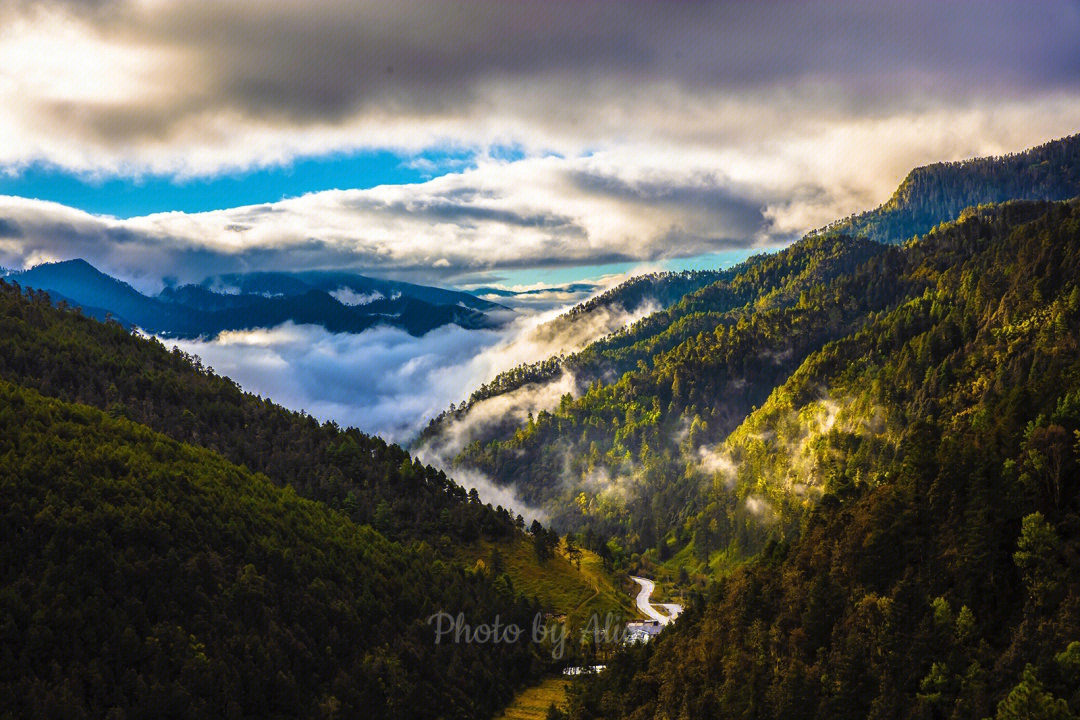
column 929, row 196
column 422, row 524
column 628, row 453
column 622, row 458
column 937, row 193
column 65, row 355
column 142, row 577
column 599, row 316
column 778, row 277
column 938, row 573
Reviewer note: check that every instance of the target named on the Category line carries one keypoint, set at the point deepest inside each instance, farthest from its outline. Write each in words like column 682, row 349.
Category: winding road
column 648, row 609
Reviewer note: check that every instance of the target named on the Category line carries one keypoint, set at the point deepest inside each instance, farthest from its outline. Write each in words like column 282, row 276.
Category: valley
column 539, row 361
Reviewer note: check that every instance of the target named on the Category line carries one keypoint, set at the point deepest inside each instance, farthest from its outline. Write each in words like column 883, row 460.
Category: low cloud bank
column 387, row 382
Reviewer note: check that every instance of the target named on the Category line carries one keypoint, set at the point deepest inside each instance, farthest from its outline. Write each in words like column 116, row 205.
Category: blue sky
column 124, row 196
column 566, row 275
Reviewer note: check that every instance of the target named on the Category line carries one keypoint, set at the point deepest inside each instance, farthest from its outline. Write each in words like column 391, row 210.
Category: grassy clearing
column 532, row 703
column 561, row 586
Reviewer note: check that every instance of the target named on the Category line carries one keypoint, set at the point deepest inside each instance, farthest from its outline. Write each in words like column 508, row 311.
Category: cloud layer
column 625, row 204
column 193, row 87
column 641, row 130
column 387, row 382
column 528, row 213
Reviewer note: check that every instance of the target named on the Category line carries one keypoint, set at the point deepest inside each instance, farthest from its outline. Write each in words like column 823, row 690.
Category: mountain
column 505, row 293
column 623, row 457
column 79, row 283
column 174, row 546
column 605, row 314
column 347, row 287
column 858, row 461
column 76, row 359
column 340, row 302
column 932, row 455
column 625, row 453
column 145, row 577
column 937, row 193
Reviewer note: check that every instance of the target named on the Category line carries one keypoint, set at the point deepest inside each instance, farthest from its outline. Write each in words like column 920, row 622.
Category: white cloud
column 348, row 296
column 648, row 130
column 387, row 382
column 382, row 380
column 625, row 203
column 129, row 86
column 534, row 212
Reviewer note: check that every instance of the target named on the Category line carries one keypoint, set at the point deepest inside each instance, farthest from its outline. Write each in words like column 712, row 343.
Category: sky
column 479, row 143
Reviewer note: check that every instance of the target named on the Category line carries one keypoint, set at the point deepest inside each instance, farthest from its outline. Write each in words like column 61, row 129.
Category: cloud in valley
column 388, row 382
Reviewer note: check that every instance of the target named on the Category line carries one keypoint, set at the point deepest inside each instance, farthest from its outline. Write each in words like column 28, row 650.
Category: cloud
column 347, row 296
column 500, row 215
column 387, row 382
column 538, row 296
column 638, row 131
column 390, row 383
column 171, row 86
column 538, row 337
column 544, row 338
column 625, row 204
column 384, row 380
column 130, row 86
column 483, row 417
column 717, row 462
column 381, row 380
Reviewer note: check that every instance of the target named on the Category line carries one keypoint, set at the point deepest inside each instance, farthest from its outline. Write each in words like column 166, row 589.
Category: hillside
column 146, row 578
column 598, row 317
column 929, row 196
column 937, row 193
column 574, row 588
column 77, row 359
column 635, row 447
column 622, row 457
column 937, row 574
column 415, row 513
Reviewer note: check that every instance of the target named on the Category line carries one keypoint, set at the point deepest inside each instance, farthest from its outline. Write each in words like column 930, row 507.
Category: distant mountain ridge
column 337, row 301
column 332, row 282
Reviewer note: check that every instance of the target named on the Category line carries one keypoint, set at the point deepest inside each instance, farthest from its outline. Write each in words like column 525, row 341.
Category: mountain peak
column 932, row 194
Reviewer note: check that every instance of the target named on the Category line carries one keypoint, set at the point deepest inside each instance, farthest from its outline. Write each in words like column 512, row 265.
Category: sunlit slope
column 624, row 454
column 997, row 287
column 930, row 464
column 728, row 438
column 574, row 589
column 621, row 456
column 534, row 702
column 937, row 193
